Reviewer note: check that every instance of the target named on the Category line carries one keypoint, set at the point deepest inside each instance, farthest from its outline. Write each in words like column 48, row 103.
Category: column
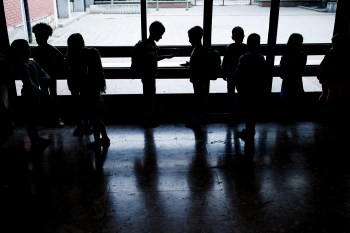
column 79, row 6
column 63, row 9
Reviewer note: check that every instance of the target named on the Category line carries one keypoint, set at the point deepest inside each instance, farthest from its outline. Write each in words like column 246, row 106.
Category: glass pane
column 102, row 30
column 249, row 16
column 315, row 26
column 15, row 21
column 177, row 19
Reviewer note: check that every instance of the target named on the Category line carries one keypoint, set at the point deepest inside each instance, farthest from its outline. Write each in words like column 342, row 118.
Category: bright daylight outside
column 118, row 23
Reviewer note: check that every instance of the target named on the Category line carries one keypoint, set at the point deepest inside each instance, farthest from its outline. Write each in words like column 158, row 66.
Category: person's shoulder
column 257, row 54
column 235, row 47
column 230, row 46
column 33, row 62
column 91, row 51
column 46, row 49
column 149, row 44
column 249, row 55
column 54, row 48
column 35, row 50
column 244, row 46
column 148, row 41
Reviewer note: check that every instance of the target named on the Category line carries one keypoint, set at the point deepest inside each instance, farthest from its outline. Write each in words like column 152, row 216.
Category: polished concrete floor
column 294, row 177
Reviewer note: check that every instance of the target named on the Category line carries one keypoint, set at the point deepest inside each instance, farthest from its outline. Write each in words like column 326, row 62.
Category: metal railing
column 185, row 51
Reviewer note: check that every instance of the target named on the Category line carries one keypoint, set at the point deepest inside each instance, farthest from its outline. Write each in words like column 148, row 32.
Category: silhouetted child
column 86, row 80
column 334, row 77
column 229, row 64
column 292, row 65
column 252, row 85
column 6, row 117
column 198, row 77
column 32, row 75
column 51, row 60
column 74, row 68
column 149, row 71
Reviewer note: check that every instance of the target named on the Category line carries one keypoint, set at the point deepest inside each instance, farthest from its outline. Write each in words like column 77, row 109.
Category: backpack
column 95, row 76
column 137, row 60
column 213, row 63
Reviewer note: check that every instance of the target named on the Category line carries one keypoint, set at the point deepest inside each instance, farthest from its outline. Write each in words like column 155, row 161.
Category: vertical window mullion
column 143, row 19
column 207, row 22
column 272, row 35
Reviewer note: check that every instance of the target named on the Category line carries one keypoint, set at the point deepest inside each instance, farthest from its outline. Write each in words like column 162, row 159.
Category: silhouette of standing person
column 86, row 64
column 198, row 77
column 6, row 118
column 32, row 75
column 229, row 64
column 150, row 71
column 252, row 85
column 292, row 65
column 333, row 74
column 51, row 60
column 74, row 67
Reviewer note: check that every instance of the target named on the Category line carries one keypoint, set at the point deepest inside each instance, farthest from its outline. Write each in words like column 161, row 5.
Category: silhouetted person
column 51, row 60
column 292, row 65
column 32, row 75
column 229, row 64
column 6, row 118
column 85, row 64
column 333, row 75
column 74, row 67
column 252, row 85
column 150, row 71
column 198, row 78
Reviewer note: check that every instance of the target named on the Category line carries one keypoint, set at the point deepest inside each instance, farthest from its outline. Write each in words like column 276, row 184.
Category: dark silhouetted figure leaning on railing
column 86, row 77
column 32, row 75
column 51, row 60
column 6, row 115
column 292, row 65
column 334, row 73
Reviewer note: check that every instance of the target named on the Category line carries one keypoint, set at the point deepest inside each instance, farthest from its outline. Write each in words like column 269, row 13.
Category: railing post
column 157, row 5
column 187, row 4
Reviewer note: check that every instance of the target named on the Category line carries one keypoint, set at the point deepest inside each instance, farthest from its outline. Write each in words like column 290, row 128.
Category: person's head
column 295, row 41
column 253, row 42
column 195, row 35
column 75, row 43
column 237, row 34
column 19, row 50
column 42, row 32
column 156, row 30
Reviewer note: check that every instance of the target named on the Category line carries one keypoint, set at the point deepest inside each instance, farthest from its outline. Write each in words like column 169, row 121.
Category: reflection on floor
column 293, row 178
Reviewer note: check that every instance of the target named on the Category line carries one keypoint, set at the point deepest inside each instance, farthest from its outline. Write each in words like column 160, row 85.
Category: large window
column 119, row 24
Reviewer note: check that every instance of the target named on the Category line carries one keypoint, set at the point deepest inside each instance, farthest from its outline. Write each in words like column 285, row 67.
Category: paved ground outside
column 124, row 29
